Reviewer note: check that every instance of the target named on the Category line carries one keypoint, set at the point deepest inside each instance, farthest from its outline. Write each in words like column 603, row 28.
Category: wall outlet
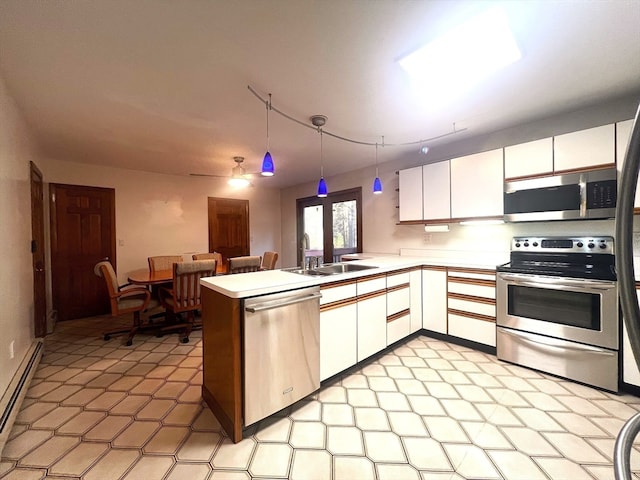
column 427, row 238
column 12, row 352
column 636, row 241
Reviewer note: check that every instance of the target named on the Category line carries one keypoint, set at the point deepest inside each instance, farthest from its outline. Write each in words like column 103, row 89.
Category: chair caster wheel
column 129, row 343
column 185, row 340
column 107, row 337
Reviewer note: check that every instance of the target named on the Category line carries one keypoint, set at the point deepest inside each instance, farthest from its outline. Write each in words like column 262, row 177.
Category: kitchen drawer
column 468, row 305
column 473, row 289
column 398, row 328
column 398, row 300
column 334, row 293
column 372, row 285
column 473, row 329
column 395, row 279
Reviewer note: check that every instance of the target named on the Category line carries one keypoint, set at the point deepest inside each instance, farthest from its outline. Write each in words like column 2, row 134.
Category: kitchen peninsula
column 362, row 313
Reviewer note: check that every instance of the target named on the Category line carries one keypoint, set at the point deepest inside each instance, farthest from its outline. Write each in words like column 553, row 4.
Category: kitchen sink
column 331, row 269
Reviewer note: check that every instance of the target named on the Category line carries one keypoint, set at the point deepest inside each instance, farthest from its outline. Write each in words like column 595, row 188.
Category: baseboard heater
column 18, row 383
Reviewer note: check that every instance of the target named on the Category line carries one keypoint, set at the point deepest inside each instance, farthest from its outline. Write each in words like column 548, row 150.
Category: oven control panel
column 563, row 244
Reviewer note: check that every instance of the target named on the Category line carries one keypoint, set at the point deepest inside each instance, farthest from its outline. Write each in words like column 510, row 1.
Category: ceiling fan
column 238, row 178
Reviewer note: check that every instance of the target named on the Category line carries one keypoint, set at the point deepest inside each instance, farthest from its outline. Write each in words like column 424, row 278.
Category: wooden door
column 37, row 251
column 229, row 227
column 82, row 234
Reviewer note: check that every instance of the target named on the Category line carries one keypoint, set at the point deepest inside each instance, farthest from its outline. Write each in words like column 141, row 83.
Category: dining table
column 144, row 276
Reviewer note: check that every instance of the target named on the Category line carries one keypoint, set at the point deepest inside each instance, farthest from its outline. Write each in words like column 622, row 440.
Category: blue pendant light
column 319, row 121
column 377, row 183
column 268, row 169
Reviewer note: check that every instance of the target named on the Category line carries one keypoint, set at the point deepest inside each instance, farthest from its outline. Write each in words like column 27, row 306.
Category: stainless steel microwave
column 572, row 196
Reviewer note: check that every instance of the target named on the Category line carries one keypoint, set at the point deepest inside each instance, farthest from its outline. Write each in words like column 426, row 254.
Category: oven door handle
column 523, row 337
column 559, row 284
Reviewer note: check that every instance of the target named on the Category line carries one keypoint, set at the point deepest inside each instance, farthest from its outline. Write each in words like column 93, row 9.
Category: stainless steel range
column 557, row 308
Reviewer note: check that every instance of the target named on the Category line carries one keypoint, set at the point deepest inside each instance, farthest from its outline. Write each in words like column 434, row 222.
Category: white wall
column 16, row 272
column 167, row 214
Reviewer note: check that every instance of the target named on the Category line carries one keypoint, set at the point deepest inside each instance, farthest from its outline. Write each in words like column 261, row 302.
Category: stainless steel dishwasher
column 281, row 351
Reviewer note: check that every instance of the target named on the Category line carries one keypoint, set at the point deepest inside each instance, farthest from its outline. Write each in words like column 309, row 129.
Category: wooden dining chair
column 124, row 299
column 269, row 260
column 163, row 262
column 244, row 264
column 208, row 256
column 184, row 297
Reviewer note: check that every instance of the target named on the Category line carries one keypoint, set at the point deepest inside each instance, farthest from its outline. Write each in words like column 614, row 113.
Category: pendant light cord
column 268, row 104
column 321, row 154
column 339, row 137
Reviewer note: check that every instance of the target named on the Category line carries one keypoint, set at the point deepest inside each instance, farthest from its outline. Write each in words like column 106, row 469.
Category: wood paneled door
column 37, row 253
column 82, row 234
column 228, row 227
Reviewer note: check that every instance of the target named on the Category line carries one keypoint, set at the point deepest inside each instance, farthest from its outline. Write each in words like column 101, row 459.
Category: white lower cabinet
column 372, row 315
column 471, row 305
column 434, row 299
column 338, row 339
column 372, row 324
column 398, row 306
column 338, row 328
column 415, row 279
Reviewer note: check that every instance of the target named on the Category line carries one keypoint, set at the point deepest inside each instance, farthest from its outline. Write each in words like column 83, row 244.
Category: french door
column 329, row 227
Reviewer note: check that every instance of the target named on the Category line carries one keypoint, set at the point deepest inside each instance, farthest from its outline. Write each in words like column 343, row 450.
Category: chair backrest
column 186, row 283
column 105, row 270
column 244, row 264
column 163, row 262
column 208, row 256
column 269, row 260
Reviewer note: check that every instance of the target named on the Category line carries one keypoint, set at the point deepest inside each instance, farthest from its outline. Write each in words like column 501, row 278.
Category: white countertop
column 244, row 285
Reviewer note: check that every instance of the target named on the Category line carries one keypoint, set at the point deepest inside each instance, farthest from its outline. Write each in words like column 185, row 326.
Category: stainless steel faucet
column 304, row 246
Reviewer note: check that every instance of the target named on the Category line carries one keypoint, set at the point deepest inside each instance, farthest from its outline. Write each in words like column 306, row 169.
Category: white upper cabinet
column 436, row 191
column 477, row 185
column 584, row 149
column 527, row 159
column 410, row 195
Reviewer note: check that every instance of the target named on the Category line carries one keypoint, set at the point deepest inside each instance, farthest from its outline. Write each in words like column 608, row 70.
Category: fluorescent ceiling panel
column 454, row 62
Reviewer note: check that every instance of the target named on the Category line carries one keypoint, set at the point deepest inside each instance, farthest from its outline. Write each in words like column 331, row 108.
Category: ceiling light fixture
column 268, row 168
column 319, row 121
column 453, row 62
column 238, row 175
column 377, row 184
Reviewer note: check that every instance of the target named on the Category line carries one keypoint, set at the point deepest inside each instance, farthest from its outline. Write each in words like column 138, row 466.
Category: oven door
column 579, row 310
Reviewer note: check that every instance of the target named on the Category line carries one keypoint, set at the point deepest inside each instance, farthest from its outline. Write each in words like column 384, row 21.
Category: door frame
column 327, row 217
column 38, row 251
column 211, row 219
column 53, row 223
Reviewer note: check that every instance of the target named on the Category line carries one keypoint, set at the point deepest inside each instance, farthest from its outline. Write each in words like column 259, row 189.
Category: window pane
column 344, row 225
column 314, row 229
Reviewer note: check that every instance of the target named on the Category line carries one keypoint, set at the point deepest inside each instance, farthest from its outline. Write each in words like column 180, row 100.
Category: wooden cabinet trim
column 375, row 276
column 484, row 271
column 339, row 283
column 472, row 281
column 337, row 304
column 397, row 287
column 471, row 298
column 437, row 268
column 399, row 272
column 398, row 315
column 475, row 316
column 369, row 295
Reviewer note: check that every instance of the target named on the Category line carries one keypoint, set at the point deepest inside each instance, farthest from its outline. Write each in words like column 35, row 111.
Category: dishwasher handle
column 261, row 307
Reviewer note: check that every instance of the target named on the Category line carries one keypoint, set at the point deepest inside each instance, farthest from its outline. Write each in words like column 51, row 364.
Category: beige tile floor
column 425, row 410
